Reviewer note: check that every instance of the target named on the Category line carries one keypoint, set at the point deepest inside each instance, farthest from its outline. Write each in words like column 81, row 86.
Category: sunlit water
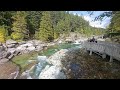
column 50, row 51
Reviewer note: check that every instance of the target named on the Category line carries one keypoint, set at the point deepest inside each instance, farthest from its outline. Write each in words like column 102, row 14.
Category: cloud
column 87, row 17
column 91, row 22
column 99, row 24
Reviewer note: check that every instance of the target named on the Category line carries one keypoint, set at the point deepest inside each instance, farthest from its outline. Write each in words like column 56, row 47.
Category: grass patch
column 22, row 60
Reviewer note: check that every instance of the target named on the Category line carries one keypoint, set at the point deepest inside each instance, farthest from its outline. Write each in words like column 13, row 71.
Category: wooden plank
column 102, row 47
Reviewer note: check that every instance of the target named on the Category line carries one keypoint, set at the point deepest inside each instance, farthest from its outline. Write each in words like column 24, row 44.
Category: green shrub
column 2, row 34
column 17, row 36
column 56, row 35
column 8, row 37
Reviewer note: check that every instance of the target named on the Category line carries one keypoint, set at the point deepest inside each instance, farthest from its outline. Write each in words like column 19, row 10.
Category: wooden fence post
column 111, row 59
column 90, row 52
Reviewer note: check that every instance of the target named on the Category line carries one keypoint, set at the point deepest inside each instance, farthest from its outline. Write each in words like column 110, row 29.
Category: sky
column 87, row 17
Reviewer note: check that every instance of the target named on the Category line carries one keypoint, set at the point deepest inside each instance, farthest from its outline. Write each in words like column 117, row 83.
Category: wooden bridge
column 103, row 49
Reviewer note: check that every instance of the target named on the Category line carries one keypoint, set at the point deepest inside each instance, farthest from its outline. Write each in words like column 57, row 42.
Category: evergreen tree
column 46, row 32
column 6, row 20
column 33, row 21
column 3, row 33
column 115, row 22
column 19, row 26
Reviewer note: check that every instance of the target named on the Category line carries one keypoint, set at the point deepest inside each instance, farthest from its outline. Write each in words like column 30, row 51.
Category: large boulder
column 16, row 53
column 35, row 42
column 50, row 44
column 21, row 48
column 11, row 56
column 11, row 50
column 56, row 59
column 4, row 60
column 4, row 54
column 26, row 45
column 2, row 51
column 11, row 43
column 72, row 37
column 7, row 54
column 32, row 45
column 22, row 42
column 2, row 48
column 38, row 48
column 25, row 48
column 52, row 72
column 31, row 48
column 69, row 40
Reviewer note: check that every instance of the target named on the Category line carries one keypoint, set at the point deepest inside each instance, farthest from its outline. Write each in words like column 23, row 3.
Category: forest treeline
column 43, row 25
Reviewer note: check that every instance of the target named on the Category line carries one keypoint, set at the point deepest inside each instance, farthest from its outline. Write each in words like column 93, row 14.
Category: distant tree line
column 43, row 25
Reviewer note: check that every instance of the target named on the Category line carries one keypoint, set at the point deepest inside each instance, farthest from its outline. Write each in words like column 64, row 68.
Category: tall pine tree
column 46, row 32
column 3, row 33
column 33, row 21
column 19, row 28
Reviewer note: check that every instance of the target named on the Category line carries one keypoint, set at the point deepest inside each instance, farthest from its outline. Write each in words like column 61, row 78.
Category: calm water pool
column 53, row 49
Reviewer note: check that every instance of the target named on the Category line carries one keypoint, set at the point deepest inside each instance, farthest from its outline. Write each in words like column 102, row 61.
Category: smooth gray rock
column 2, row 48
column 56, row 59
column 11, row 45
column 31, row 48
column 52, row 72
column 7, row 54
column 11, row 50
column 11, row 42
column 22, row 42
column 4, row 60
column 11, row 56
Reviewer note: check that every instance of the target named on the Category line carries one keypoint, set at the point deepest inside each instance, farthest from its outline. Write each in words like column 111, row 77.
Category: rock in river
column 53, row 72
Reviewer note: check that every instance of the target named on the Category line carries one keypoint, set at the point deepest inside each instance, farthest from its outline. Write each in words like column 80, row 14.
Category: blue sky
column 87, row 17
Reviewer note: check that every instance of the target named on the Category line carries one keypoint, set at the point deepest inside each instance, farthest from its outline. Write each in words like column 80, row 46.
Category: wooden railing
column 103, row 48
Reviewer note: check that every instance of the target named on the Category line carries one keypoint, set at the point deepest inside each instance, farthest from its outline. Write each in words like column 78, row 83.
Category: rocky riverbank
column 13, row 48
column 71, row 63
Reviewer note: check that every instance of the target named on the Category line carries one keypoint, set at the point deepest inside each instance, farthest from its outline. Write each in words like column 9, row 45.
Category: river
column 48, row 52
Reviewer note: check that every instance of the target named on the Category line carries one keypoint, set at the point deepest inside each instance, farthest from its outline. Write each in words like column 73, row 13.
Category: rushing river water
column 35, row 72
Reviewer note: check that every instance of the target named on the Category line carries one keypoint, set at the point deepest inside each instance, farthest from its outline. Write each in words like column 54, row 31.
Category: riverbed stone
column 56, row 59
column 52, row 73
column 11, row 50
column 4, row 60
column 31, row 48
column 10, row 41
